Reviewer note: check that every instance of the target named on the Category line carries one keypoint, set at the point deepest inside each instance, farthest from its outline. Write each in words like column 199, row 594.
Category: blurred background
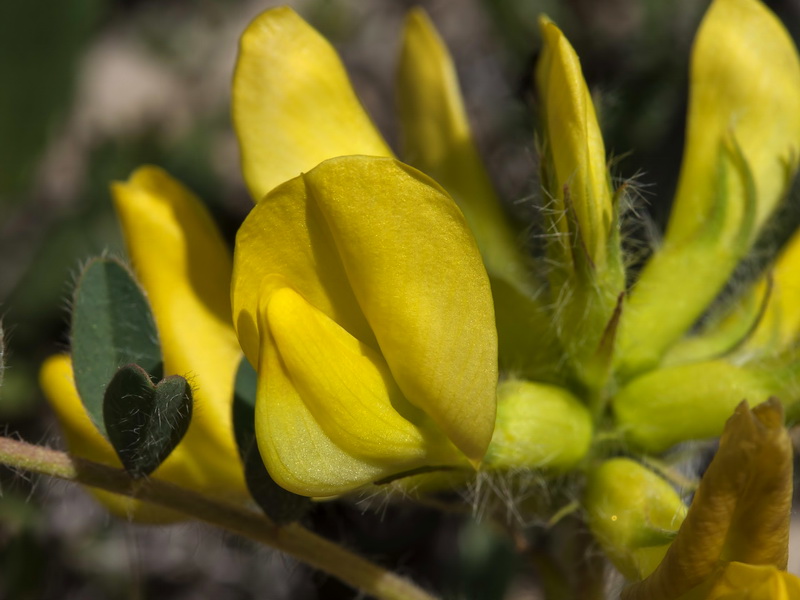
column 93, row 88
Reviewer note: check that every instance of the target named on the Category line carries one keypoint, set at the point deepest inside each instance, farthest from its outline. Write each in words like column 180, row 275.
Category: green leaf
column 244, row 406
column 277, row 503
column 145, row 422
column 112, row 325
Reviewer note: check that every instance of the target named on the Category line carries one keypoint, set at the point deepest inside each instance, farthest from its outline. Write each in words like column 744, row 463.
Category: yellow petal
column 436, row 138
column 417, row 275
column 285, row 239
column 740, row 581
column 85, row 441
column 381, row 250
column 744, row 80
column 573, row 143
column 740, row 511
column 348, row 388
column 293, row 106
column 299, row 455
column 182, row 263
column 82, row 437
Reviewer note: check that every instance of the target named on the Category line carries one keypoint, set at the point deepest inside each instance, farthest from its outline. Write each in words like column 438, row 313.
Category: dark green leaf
column 277, row 503
column 112, row 325
column 145, row 422
column 244, row 405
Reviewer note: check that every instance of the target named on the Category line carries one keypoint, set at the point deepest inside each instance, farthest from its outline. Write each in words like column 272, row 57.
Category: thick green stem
column 292, row 539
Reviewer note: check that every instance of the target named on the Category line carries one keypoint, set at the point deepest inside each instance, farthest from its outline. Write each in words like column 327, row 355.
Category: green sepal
column 726, row 330
column 280, row 505
column 112, row 325
column 682, row 278
column 145, row 422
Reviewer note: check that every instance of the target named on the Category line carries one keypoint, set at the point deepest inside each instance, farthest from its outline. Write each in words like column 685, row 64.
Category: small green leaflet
column 145, row 422
column 112, row 325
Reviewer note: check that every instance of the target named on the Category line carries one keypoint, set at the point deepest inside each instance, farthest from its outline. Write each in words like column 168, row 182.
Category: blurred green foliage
column 40, row 43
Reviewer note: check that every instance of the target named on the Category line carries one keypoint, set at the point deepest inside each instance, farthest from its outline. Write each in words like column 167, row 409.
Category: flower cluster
column 379, row 301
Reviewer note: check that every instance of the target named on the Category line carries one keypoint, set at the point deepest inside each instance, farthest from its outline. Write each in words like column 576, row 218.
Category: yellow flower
column 566, row 318
column 358, row 289
column 359, row 292
column 741, row 150
column 182, row 263
column 734, row 541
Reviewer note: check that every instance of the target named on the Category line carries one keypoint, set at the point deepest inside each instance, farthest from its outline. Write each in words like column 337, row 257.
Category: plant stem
column 293, row 539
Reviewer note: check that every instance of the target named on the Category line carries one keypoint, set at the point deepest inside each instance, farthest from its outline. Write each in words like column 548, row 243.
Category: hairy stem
column 293, row 539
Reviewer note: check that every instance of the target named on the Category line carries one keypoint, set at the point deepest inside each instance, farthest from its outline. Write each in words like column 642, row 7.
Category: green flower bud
column 538, row 425
column 633, row 513
column 652, row 410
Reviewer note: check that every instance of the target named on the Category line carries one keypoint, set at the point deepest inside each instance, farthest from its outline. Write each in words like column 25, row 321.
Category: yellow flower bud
column 587, row 276
column 633, row 513
column 538, row 425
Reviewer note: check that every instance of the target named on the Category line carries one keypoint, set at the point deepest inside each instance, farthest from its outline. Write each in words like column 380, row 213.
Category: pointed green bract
column 144, row 422
column 280, row 505
column 112, row 325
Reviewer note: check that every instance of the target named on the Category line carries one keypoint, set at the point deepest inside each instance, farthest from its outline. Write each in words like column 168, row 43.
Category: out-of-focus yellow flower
column 184, row 266
column 359, row 292
column 734, row 540
column 366, row 261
